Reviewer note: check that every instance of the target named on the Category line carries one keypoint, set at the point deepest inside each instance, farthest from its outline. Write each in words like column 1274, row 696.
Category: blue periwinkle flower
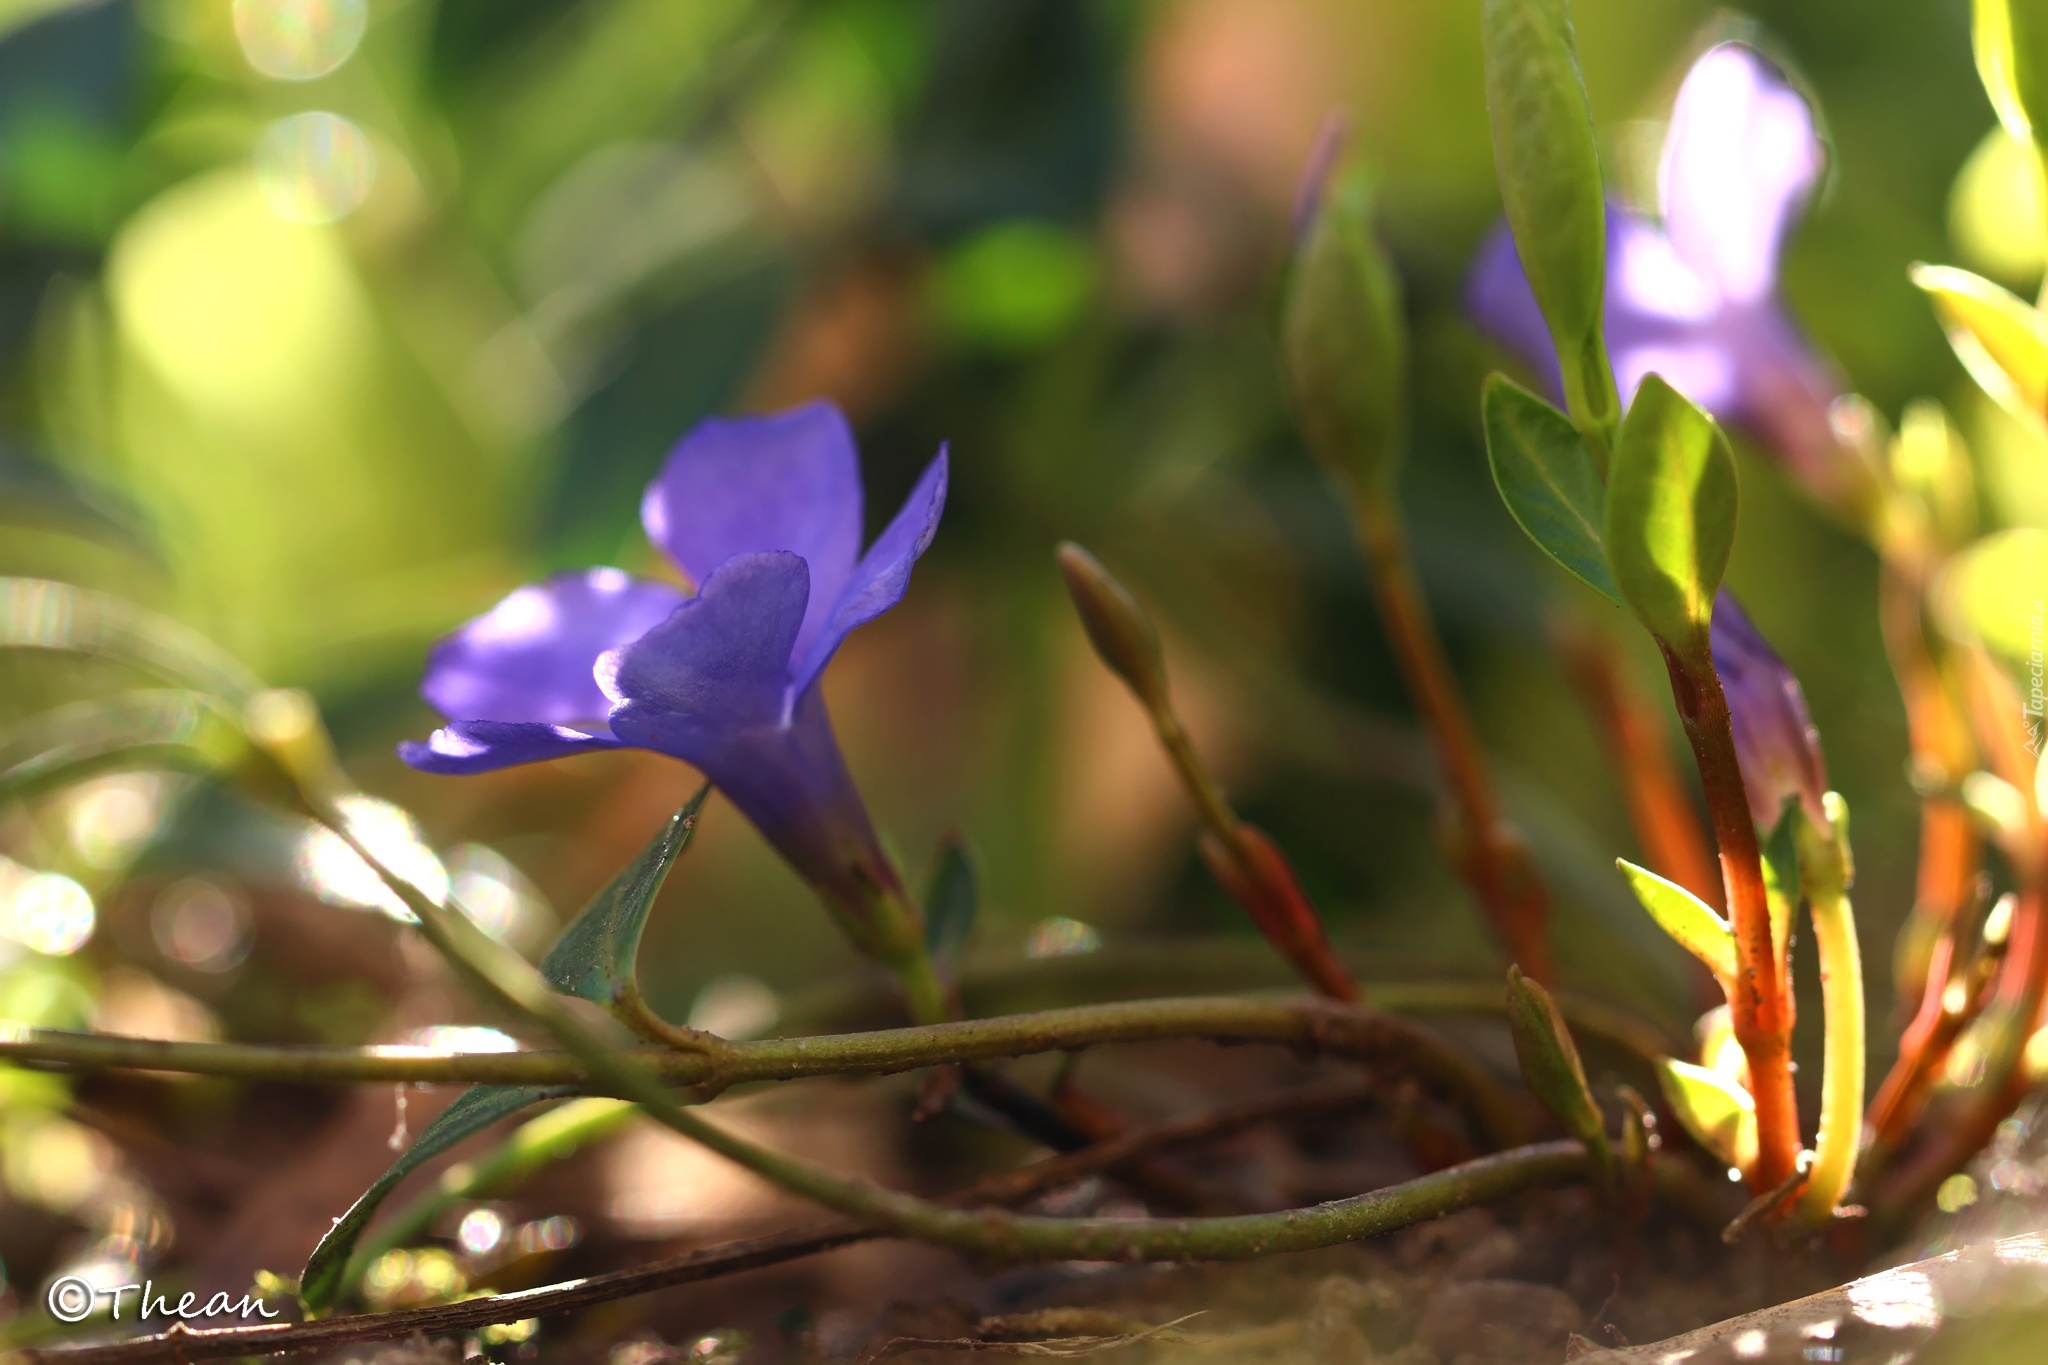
column 1694, row 297
column 763, row 514
column 1776, row 743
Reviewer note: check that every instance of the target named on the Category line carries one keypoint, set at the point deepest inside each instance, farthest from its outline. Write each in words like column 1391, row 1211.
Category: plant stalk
column 1493, row 861
column 1761, row 1003
column 1840, row 1136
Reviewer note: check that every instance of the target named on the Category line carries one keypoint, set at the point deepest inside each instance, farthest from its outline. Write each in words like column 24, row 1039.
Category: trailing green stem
column 712, row 1065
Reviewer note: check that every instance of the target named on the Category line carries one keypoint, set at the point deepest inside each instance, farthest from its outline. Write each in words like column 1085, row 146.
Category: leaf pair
column 592, row 960
column 1656, row 535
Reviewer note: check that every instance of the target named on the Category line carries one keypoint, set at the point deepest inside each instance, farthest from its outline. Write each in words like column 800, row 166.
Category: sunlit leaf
column 2001, row 339
column 1548, row 165
column 952, row 902
column 1549, row 480
column 1685, row 917
column 1993, row 593
column 2011, row 38
column 1719, row 1114
column 593, row 959
column 36, row 613
column 1670, row 515
column 473, row 1111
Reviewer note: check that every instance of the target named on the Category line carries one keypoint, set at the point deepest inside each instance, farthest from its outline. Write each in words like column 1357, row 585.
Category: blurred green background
column 324, row 323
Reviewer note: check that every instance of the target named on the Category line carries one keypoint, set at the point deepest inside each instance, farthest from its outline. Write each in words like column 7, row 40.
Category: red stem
column 1761, row 1002
column 1494, row 862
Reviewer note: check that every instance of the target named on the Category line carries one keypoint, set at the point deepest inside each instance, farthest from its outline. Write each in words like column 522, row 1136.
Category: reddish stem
column 1666, row 823
column 1494, row 862
column 1761, row 1002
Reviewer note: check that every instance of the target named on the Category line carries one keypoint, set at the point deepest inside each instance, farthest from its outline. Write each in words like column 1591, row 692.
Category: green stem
column 501, row 974
column 1001, row 1234
column 1841, row 1087
column 1305, row 1025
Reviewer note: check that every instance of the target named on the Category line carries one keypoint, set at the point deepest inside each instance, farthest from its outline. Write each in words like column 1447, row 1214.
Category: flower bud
column 1341, row 336
column 1258, row 877
column 1776, row 743
column 1551, row 1065
column 1123, row 635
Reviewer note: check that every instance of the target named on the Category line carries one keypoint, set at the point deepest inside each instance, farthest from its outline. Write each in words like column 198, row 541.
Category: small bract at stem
column 1825, row 872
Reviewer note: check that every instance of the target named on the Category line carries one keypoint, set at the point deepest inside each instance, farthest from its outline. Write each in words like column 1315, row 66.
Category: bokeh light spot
column 200, row 925
column 315, row 167
column 299, row 40
column 49, row 913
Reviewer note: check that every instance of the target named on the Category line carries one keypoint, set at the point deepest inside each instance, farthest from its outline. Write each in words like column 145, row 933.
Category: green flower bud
column 1123, row 635
column 1341, row 334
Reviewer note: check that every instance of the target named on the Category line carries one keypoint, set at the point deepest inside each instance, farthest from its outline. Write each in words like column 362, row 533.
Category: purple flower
column 1776, row 743
column 764, row 515
column 1693, row 298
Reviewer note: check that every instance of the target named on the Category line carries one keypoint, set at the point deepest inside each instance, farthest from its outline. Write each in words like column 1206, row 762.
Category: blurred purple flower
column 1693, row 298
column 764, row 514
column 1776, row 743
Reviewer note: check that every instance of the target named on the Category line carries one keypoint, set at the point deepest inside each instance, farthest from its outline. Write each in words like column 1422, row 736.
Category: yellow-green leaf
column 1670, row 515
column 2011, row 38
column 1993, row 594
column 1719, row 1114
column 1685, row 917
column 2001, row 339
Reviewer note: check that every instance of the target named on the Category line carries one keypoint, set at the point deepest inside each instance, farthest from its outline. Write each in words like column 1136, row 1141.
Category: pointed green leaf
column 1670, row 515
column 1685, row 917
column 1548, row 164
column 951, row 903
column 1719, row 1114
column 1781, row 873
column 1343, row 339
column 2011, row 38
column 476, row 1109
column 593, row 959
column 2002, row 340
column 1551, row 1065
column 1548, row 479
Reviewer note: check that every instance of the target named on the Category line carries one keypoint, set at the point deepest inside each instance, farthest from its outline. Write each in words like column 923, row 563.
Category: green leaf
column 1781, row 873
column 2001, row 339
column 476, row 1109
column 1343, row 340
column 2011, row 38
column 1719, row 1114
column 1990, row 594
column 951, row 903
column 1549, row 480
column 593, row 959
column 37, row 613
column 1670, row 516
column 1548, row 164
column 158, row 726
column 1685, row 917
column 1551, row 1065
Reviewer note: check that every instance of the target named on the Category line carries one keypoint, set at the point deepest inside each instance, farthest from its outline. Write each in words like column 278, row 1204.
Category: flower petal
column 530, row 657
column 878, row 582
column 744, row 485
column 481, row 746
column 1739, row 160
column 717, row 667
column 1498, row 298
column 1776, row 743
